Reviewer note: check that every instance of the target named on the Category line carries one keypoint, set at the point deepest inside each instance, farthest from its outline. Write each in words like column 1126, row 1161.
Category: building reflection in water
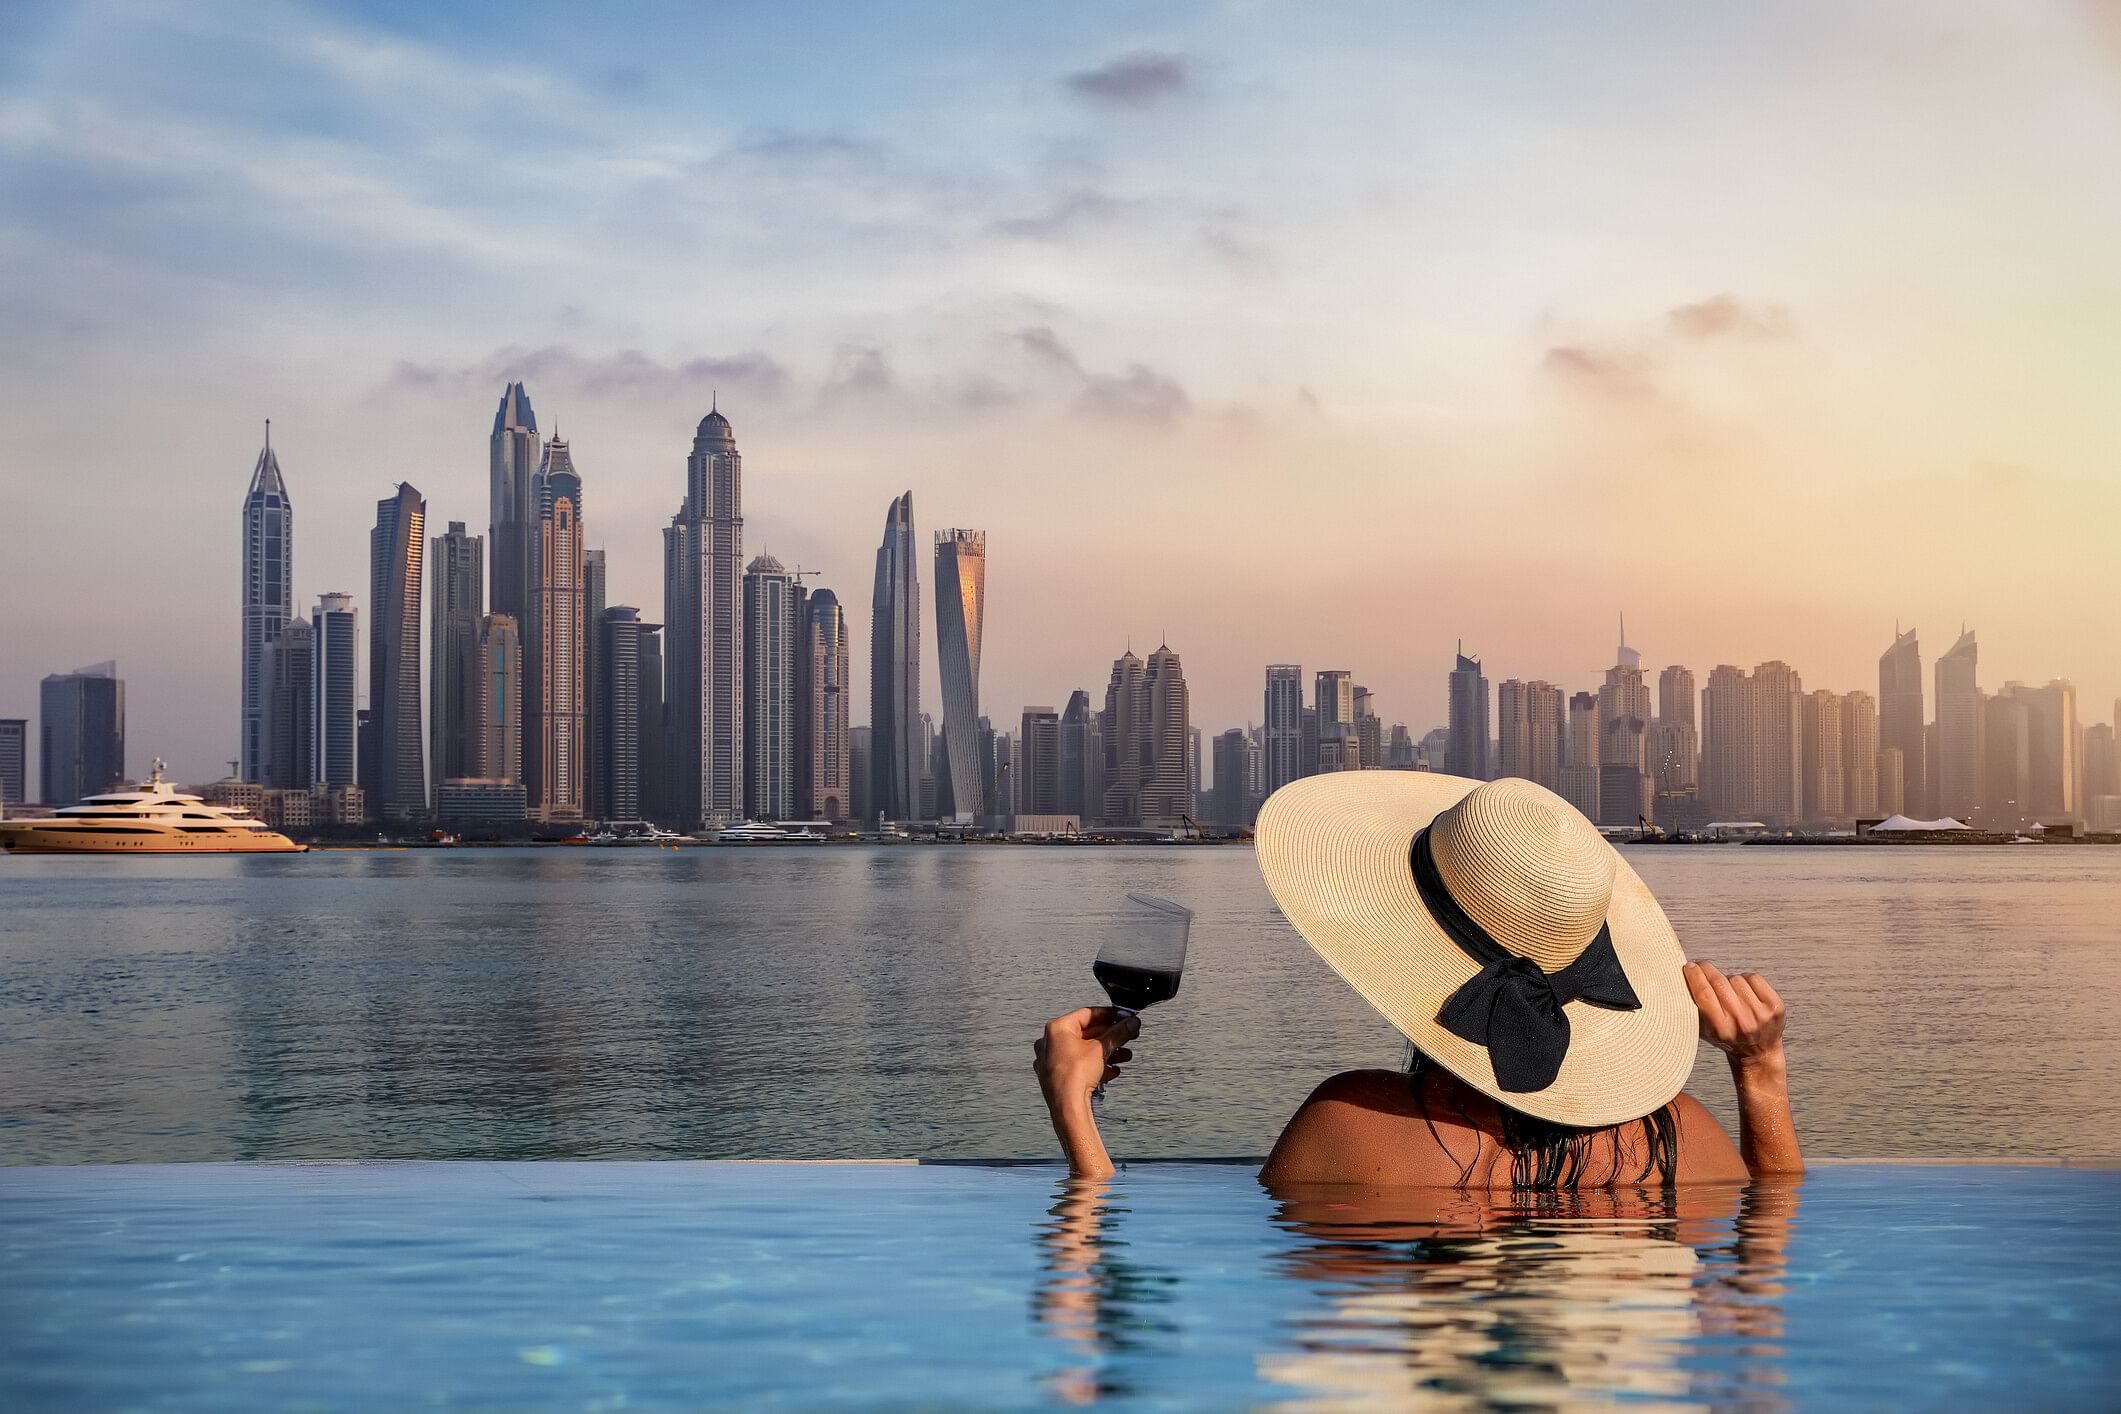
column 1435, row 1299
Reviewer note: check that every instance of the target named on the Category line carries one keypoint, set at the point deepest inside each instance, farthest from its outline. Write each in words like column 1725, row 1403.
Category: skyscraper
column 595, row 598
column 1958, row 758
column 616, row 749
column 1082, row 759
column 555, row 749
column 1284, row 725
column 703, row 650
column 500, row 700
column 860, row 778
column 1859, row 754
column 268, row 597
column 396, row 778
column 1900, row 718
column 1123, row 726
column 1825, row 776
column 1467, row 753
column 1753, row 744
column 14, row 761
column 291, row 714
column 1228, row 787
column 960, row 611
column 1624, row 783
column 81, row 733
column 1531, row 731
column 898, row 743
column 1333, row 695
column 456, row 602
column 1038, row 778
column 824, row 650
column 1369, row 730
column 1675, row 746
column 771, row 642
column 655, row 761
column 334, row 633
column 1579, row 771
column 2053, row 747
column 1166, row 741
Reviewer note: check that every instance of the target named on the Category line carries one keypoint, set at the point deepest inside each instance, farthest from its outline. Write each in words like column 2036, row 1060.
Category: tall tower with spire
column 960, row 616
column 268, row 600
column 703, row 610
column 897, row 740
column 555, row 745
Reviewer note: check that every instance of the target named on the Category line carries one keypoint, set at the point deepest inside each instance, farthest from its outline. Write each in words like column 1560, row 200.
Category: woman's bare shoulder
column 1706, row 1153
column 1362, row 1126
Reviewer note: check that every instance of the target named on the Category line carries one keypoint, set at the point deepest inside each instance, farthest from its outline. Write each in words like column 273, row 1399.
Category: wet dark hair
column 1546, row 1157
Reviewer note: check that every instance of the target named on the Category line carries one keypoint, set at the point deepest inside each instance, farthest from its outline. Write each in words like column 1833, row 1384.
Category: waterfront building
column 1284, row 725
column 290, row 715
column 1467, row 752
column 1037, row 771
column 1401, row 753
column 960, row 612
column 14, row 762
column 268, row 599
column 1082, row 759
column 1624, row 780
column 771, row 643
column 1859, row 755
column 1825, row 772
column 2102, row 773
column 1167, row 781
column 898, row 741
column 703, row 648
column 477, row 803
column 859, row 777
column 334, row 632
column 655, row 761
column 823, row 733
column 1123, row 728
column 2006, row 760
column 1231, row 799
column 555, row 748
column 456, row 594
column 500, row 700
column 394, row 774
column 1514, row 732
column 1958, row 731
column 930, row 748
column 513, row 457
column 595, row 599
column 1333, row 699
column 1369, row 730
column 2053, row 753
column 1579, row 771
column 81, row 733
column 1901, row 724
column 1193, row 770
column 1892, row 781
column 615, row 752
column 1752, row 748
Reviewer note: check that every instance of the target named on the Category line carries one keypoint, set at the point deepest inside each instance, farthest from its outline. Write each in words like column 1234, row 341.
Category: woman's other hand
column 1740, row 1015
column 1082, row 1049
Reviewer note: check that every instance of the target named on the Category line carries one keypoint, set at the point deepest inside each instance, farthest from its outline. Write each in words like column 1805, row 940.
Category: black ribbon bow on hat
column 1512, row 1005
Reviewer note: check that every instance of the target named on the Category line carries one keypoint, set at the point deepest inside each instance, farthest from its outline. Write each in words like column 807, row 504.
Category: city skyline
column 1768, row 426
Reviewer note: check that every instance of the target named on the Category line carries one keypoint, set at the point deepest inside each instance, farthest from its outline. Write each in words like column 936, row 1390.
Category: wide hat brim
column 1335, row 851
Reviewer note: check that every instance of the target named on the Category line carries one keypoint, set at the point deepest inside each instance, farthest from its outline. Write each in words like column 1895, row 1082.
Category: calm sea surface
column 843, row 1002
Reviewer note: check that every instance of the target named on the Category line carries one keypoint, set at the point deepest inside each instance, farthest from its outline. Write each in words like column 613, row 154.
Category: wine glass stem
column 1097, row 1095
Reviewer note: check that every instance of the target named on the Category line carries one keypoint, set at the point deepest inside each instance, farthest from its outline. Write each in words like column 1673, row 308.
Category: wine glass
column 1144, row 955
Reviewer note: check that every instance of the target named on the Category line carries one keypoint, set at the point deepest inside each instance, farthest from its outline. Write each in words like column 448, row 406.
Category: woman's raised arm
column 1075, row 1054
column 1742, row 1017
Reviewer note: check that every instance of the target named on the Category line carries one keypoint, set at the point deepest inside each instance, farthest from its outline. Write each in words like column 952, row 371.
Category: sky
column 1332, row 335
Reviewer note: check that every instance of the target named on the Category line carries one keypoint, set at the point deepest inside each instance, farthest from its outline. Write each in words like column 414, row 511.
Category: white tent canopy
column 1901, row 822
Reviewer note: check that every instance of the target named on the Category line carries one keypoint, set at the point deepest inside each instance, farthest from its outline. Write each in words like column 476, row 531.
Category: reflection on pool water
column 631, row 1285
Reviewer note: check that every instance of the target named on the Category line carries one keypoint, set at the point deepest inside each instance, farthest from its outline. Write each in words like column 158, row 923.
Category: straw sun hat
column 1496, row 929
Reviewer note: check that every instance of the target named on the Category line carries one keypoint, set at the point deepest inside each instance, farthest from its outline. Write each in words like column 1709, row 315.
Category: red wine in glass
column 1144, row 954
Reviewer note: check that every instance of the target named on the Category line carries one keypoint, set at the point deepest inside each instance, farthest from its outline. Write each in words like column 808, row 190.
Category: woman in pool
column 1552, row 1013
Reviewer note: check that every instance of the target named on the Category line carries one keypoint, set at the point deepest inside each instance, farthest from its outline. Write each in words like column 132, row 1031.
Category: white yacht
column 152, row 818
column 759, row 832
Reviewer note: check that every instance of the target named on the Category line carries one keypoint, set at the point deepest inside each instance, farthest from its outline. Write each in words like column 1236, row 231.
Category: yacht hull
column 45, row 837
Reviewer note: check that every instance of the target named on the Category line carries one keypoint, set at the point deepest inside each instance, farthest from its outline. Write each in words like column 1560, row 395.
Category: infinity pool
column 641, row 1285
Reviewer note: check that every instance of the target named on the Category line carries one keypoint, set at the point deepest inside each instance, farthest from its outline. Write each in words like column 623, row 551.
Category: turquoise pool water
column 647, row 1285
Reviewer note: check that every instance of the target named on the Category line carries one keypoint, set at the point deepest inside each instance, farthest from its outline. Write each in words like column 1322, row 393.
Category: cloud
column 1615, row 373
column 859, row 372
column 1133, row 80
column 1063, row 218
column 628, row 372
column 1138, row 394
column 1045, row 346
column 1723, row 316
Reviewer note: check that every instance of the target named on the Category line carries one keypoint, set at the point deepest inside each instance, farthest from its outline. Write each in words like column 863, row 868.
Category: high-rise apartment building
column 1513, row 731
column 1082, row 758
column 826, row 698
column 1531, row 731
column 1229, row 799
column 456, row 593
column 1168, row 761
column 2007, row 762
column 897, row 743
column 268, row 599
column 555, row 646
column 615, row 755
column 394, row 775
column 14, row 761
column 1675, row 738
column 513, row 457
column 2053, row 750
column 703, row 635
column 1900, row 719
column 500, row 700
column 1624, row 780
column 960, row 613
column 1369, row 730
column 1825, row 770
column 655, row 765
column 595, row 599
column 1037, row 777
column 1579, row 770
column 1958, row 755
column 1284, row 725
column 1752, row 747
column 1467, row 753
column 771, row 644
column 1123, row 728
column 81, row 733
column 1859, row 755
column 291, row 713
column 334, row 635
column 1333, row 697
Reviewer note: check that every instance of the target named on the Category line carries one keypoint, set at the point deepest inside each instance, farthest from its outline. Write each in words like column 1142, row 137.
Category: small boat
column 152, row 818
